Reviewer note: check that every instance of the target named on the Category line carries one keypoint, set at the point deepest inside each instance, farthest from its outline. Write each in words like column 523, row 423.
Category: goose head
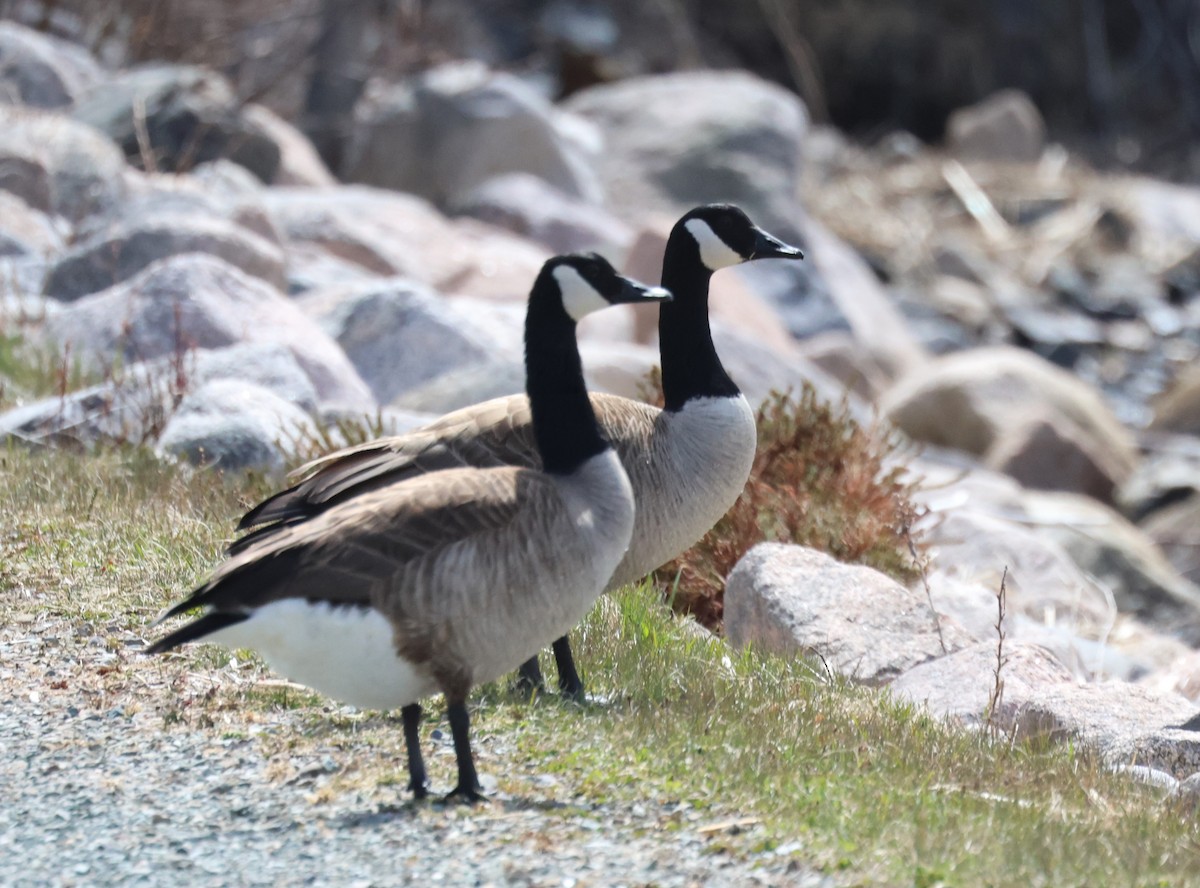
column 586, row 282
column 725, row 236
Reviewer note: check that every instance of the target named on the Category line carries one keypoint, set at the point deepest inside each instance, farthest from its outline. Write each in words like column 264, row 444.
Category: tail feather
column 196, row 629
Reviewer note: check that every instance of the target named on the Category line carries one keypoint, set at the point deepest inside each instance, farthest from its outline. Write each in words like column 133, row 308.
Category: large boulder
column 529, row 206
column 977, row 400
column 199, row 301
column 58, row 165
column 187, row 115
column 397, row 333
column 788, row 599
column 42, row 71
column 233, row 425
column 713, row 136
column 447, row 130
column 391, row 234
column 119, row 253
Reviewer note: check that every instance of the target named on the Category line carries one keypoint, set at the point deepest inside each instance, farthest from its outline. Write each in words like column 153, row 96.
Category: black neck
column 690, row 366
column 564, row 425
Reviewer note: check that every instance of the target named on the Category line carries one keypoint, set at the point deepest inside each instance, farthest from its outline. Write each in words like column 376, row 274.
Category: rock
column 449, row 129
column 1045, row 453
column 57, row 165
column 973, row 401
column 232, row 425
column 128, row 410
column 1178, row 408
column 121, row 252
column 1061, row 337
column 299, row 162
column 397, row 333
column 470, row 385
column 1168, row 473
column 716, row 136
column 25, row 231
column 311, row 268
column 199, row 301
column 791, row 600
column 876, row 323
column 964, row 301
column 1173, row 529
column 40, row 70
column 268, row 365
column 1116, row 553
column 531, row 207
column 1121, row 288
column 840, row 356
column 392, row 234
column 1125, row 724
column 1006, row 126
column 190, row 115
column 1149, row 777
column 1180, row 677
column 1187, row 793
column 960, row 686
column 1163, row 212
column 1041, row 581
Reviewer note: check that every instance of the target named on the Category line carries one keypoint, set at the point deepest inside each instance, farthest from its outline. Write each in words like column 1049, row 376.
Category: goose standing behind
column 448, row 579
column 687, row 463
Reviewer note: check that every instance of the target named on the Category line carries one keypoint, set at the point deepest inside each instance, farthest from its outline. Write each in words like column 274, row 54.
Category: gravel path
column 96, row 788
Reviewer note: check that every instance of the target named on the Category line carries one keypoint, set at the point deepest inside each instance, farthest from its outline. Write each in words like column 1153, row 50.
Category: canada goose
column 687, row 463
column 448, row 579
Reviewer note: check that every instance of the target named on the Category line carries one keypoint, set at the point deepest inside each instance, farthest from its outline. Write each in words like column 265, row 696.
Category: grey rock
column 190, row 114
column 58, row 165
column 42, row 71
column 1005, row 126
column 791, row 600
column 397, row 333
column 121, row 252
column 199, row 301
column 312, row 268
column 1122, row 287
column 974, row 400
column 1168, row 473
column 449, row 129
column 529, row 206
column 1123, row 723
column 25, row 231
column 1041, row 580
column 1163, row 211
column 960, row 686
column 269, row 365
column 1046, row 453
column 716, row 136
column 470, row 385
column 233, row 425
column 299, row 162
column 1181, row 676
column 1122, row 557
column 1174, row 529
column 130, row 409
column 1149, row 777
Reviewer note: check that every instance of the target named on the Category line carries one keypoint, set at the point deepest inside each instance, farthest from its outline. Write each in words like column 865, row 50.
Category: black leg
column 412, row 740
column 568, row 679
column 529, row 677
column 468, row 789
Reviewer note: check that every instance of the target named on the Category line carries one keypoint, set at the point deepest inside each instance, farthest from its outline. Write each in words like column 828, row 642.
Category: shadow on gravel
column 412, row 810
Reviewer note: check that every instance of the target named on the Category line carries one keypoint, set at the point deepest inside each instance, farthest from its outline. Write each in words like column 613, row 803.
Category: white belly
column 346, row 653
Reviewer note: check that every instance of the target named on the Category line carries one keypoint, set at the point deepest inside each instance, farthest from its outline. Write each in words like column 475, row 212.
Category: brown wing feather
column 350, row 552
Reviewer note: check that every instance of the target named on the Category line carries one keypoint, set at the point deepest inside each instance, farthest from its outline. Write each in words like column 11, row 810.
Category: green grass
column 870, row 791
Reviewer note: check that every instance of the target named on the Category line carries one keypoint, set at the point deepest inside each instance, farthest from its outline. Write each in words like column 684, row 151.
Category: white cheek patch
column 714, row 252
column 579, row 297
